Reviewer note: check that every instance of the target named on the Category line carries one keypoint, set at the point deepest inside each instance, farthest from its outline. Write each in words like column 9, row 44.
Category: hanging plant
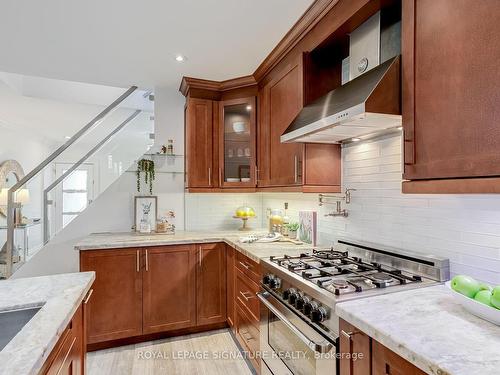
column 148, row 167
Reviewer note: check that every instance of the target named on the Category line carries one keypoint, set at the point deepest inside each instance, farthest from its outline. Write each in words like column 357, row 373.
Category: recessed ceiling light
column 249, row 107
column 356, row 139
column 67, row 137
column 400, row 128
column 180, row 58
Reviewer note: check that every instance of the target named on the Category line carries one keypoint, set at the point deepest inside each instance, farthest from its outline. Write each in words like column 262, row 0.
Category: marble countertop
column 60, row 297
column 429, row 328
column 254, row 251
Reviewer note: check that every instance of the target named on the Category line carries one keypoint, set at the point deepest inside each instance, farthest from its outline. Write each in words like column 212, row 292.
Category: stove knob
column 309, row 307
column 275, row 283
column 299, row 302
column 293, row 296
column 287, row 293
column 318, row 315
column 266, row 279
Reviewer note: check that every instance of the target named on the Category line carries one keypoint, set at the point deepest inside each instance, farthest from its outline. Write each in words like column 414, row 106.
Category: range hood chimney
column 369, row 104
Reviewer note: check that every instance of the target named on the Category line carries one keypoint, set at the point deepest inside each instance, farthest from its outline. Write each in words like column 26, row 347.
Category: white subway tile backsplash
column 463, row 228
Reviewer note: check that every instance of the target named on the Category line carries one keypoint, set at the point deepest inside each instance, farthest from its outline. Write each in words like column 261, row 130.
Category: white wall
column 113, row 209
column 463, row 228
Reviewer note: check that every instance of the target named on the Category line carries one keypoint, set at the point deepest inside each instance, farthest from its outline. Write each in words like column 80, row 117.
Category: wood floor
column 172, row 356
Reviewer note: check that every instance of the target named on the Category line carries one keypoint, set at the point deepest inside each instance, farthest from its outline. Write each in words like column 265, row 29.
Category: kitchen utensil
column 476, row 308
column 287, row 239
column 271, row 237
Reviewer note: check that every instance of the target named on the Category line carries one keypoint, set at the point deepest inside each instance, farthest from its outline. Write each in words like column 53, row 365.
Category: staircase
column 66, row 183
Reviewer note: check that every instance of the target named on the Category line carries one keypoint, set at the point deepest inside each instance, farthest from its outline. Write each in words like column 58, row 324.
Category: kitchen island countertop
column 59, row 296
column 254, row 251
column 430, row 329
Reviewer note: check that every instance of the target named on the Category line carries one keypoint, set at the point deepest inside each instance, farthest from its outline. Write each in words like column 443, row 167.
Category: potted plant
column 148, row 167
column 292, row 229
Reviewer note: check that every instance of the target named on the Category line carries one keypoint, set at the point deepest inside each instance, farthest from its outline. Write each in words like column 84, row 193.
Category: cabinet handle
column 220, row 177
column 246, row 335
column 199, row 257
column 244, row 295
column 147, row 261
column 66, row 356
column 347, row 335
column 88, row 296
column 296, row 168
column 209, row 176
column 256, row 174
column 245, row 265
column 137, row 261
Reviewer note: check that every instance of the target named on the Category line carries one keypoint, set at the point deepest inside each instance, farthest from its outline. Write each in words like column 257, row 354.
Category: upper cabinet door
column 169, row 288
column 237, row 137
column 199, row 143
column 451, row 111
column 280, row 164
column 211, row 283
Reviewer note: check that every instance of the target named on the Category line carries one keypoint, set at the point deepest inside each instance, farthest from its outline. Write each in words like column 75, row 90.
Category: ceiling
column 130, row 42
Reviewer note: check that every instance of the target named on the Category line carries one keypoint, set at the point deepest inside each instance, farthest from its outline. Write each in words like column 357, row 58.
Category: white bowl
column 245, row 179
column 476, row 308
column 230, row 179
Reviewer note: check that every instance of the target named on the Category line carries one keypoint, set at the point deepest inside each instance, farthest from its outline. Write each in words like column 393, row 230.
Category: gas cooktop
column 339, row 273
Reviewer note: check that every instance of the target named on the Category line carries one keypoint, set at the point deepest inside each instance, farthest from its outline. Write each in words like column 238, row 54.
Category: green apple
column 495, row 297
column 484, row 296
column 466, row 285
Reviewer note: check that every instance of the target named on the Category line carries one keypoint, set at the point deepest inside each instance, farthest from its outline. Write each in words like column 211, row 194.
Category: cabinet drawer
column 248, row 335
column 248, row 267
column 246, row 295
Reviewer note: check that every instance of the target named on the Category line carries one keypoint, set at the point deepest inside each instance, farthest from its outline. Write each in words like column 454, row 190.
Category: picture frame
column 145, row 213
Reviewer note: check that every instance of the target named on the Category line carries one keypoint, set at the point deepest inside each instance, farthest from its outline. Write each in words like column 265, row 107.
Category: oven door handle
column 317, row 347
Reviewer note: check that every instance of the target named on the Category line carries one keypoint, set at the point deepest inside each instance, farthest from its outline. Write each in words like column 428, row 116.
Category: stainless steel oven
column 289, row 345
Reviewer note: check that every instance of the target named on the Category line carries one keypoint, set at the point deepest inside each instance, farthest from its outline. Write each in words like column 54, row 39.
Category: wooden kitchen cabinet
column 230, row 284
column 353, row 341
column 211, row 284
column 115, row 309
column 309, row 167
column 237, row 143
column 280, row 164
column 169, row 288
column 372, row 358
column 247, row 334
column 68, row 356
column 385, row 361
column 450, row 96
column 200, row 162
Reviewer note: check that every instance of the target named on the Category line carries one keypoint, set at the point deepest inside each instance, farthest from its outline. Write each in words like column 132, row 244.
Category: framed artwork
column 307, row 227
column 145, row 210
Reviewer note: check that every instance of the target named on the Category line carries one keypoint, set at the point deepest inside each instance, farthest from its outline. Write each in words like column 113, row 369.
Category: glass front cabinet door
column 237, row 143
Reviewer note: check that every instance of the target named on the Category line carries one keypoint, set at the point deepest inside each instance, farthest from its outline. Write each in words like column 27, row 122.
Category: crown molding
column 189, row 83
column 306, row 22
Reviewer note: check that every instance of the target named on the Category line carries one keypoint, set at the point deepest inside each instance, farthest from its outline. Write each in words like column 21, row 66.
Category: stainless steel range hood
column 367, row 106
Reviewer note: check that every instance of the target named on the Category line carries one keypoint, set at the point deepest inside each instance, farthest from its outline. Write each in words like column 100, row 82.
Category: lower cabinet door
column 67, row 356
column 115, row 309
column 248, row 335
column 230, row 281
column 169, row 287
column 355, row 349
column 385, row 361
column 211, row 283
